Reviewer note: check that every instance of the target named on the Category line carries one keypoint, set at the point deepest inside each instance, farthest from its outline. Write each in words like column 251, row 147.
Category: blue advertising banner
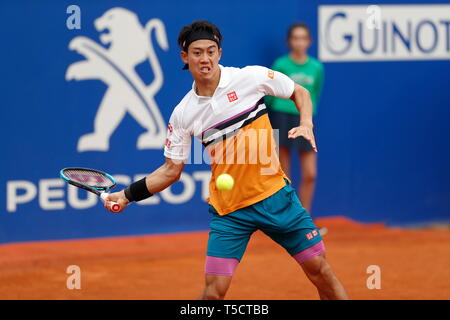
column 93, row 84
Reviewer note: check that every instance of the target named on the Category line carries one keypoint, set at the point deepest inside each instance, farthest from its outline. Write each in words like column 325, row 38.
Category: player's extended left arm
column 303, row 103
column 155, row 182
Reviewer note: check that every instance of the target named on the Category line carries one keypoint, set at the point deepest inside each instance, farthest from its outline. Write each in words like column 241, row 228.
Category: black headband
column 199, row 35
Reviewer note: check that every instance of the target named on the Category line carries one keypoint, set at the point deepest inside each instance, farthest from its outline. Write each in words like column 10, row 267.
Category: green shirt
column 309, row 75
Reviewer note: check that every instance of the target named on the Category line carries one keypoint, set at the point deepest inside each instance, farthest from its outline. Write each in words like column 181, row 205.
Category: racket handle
column 115, row 207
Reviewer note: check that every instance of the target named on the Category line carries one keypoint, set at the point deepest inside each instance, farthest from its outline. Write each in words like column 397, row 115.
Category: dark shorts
column 280, row 216
column 285, row 122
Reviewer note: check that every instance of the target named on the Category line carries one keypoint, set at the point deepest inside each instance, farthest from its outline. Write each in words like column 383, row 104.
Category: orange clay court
column 415, row 264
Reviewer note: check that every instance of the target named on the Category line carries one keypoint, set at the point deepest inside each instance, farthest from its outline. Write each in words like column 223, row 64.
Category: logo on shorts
column 312, row 234
column 232, row 96
column 168, row 143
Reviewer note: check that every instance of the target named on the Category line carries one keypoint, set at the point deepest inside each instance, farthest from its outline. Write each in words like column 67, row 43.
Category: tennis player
column 225, row 110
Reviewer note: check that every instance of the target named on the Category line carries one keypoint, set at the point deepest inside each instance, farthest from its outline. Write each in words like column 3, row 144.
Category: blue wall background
column 382, row 127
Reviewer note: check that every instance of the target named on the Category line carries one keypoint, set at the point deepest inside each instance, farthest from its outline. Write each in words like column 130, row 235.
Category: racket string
column 88, row 177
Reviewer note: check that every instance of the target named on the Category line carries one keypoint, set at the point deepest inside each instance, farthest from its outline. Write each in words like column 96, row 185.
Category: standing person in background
column 307, row 72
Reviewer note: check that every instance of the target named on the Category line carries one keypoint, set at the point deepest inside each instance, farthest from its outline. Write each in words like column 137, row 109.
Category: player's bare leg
column 215, row 287
column 319, row 272
column 308, row 163
column 285, row 160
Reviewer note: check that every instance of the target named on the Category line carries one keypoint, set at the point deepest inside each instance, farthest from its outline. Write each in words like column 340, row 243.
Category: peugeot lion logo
column 129, row 45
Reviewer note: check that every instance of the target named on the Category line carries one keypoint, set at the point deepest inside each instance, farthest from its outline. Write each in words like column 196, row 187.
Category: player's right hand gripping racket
column 92, row 180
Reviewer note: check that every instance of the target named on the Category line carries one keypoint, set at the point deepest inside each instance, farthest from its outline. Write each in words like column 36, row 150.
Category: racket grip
column 115, row 207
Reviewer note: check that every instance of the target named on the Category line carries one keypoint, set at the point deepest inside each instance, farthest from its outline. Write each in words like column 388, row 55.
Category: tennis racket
column 92, row 180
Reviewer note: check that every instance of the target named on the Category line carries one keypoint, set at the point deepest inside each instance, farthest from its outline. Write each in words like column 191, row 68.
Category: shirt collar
column 224, row 77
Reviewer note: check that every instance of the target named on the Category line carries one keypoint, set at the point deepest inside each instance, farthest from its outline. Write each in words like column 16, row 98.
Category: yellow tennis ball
column 225, row 182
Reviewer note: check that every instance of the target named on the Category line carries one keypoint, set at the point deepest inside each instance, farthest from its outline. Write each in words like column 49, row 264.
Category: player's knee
column 216, row 287
column 218, row 272
column 213, row 292
column 322, row 270
column 325, row 271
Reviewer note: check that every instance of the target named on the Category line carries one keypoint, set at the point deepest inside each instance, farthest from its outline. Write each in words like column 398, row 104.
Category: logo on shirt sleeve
column 271, row 74
column 168, row 143
column 232, row 96
column 170, row 128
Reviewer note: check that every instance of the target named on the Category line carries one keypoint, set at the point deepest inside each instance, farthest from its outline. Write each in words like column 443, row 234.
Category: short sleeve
column 273, row 83
column 178, row 141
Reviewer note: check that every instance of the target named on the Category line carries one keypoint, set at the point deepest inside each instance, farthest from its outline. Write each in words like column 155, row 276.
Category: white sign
column 128, row 44
column 54, row 194
column 387, row 32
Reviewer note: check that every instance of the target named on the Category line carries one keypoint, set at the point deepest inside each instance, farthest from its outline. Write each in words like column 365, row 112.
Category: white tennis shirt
column 235, row 108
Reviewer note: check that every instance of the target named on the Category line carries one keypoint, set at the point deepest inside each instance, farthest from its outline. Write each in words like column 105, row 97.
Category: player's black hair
column 202, row 27
column 295, row 26
column 199, row 29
